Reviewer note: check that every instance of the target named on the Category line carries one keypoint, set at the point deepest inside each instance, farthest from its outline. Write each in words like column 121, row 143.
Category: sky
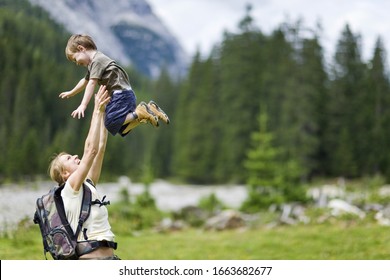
column 199, row 24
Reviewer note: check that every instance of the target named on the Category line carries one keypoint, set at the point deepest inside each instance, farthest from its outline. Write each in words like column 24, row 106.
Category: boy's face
column 81, row 57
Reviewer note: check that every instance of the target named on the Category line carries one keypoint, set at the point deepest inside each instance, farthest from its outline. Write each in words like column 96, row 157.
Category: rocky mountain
column 126, row 30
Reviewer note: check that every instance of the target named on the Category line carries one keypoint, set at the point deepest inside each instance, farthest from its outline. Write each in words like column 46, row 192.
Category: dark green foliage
column 346, row 101
column 324, row 122
column 196, row 132
column 263, row 161
column 34, row 71
column 241, row 67
column 166, row 94
column 271, row 178
column 377, row 116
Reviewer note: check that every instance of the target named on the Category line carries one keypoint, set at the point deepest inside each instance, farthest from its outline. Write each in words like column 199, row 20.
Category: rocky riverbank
column 18, row 202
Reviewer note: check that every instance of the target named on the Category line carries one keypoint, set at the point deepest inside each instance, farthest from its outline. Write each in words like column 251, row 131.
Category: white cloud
column 201, row 23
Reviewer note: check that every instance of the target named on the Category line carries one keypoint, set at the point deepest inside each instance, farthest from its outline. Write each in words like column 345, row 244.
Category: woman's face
column 70, row 163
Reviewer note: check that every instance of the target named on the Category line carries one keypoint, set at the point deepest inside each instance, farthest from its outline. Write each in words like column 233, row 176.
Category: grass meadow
column 343, row 240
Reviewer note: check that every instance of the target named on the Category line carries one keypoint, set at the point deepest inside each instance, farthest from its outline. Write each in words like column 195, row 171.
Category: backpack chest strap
column 86, row 247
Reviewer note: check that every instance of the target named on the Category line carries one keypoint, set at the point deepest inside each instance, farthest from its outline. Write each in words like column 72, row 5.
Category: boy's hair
column 79, row 40
column 56, row 169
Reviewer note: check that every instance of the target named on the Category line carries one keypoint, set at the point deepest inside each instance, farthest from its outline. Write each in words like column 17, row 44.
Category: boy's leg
column 131, row 125
column 142, row 114
column 158, row 111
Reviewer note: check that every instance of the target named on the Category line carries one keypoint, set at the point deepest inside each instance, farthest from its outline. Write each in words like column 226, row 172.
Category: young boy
column 122, row 114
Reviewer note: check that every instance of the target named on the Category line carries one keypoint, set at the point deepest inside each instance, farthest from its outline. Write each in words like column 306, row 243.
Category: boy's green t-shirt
column 108, row 73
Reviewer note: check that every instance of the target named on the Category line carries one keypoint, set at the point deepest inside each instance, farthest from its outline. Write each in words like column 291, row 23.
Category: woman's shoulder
column 68, row 191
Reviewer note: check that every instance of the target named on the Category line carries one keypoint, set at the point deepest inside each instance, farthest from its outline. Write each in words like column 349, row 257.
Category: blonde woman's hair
column 78, row 40
column 56, row 168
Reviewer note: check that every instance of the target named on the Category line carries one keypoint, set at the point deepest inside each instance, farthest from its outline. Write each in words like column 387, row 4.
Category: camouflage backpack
column 58, row 237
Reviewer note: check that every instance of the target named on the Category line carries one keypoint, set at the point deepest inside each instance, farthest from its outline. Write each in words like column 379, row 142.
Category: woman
column 96, row 240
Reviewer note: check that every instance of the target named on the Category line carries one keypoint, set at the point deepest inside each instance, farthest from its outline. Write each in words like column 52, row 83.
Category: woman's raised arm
column 91, row 146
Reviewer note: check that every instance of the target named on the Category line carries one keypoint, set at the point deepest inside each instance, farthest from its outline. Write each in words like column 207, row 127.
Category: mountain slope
column 127, row 31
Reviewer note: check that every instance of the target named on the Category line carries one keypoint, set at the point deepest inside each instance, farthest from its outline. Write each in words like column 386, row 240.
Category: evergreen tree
column 270, row 178
column 165, row 93
column 262, row 162
column 184, row 116
column 345, row 131
column 197, row 134
column 301, row 97
column 241, row 65
column 376, row 114
column 263, row 169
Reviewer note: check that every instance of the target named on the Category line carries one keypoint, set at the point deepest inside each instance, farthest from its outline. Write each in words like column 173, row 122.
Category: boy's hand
column 66, row 94
column 79, row 112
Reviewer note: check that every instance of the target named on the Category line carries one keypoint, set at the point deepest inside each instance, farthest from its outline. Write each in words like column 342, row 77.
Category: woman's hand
column 101, row 99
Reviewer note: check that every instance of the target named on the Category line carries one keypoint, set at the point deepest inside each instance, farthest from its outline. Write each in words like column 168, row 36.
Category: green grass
column 340, row 241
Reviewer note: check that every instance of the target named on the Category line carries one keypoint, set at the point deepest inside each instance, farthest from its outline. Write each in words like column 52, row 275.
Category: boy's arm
column 78, row 88
column 89, row 90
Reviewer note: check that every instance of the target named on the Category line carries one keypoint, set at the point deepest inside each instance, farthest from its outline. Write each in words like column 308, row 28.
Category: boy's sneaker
column 145, row 114
column 158, row 112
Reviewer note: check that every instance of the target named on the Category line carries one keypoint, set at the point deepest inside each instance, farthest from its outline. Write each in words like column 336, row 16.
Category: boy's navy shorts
column 122, row 103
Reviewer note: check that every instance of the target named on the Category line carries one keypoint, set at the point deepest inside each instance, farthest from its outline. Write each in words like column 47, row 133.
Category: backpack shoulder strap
column 84, row 212
column 61, row 210
column 85, row 208
column 90, row 182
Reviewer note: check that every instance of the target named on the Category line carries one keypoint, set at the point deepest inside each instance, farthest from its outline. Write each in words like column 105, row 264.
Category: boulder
column 227, row 219
column 339, row 206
